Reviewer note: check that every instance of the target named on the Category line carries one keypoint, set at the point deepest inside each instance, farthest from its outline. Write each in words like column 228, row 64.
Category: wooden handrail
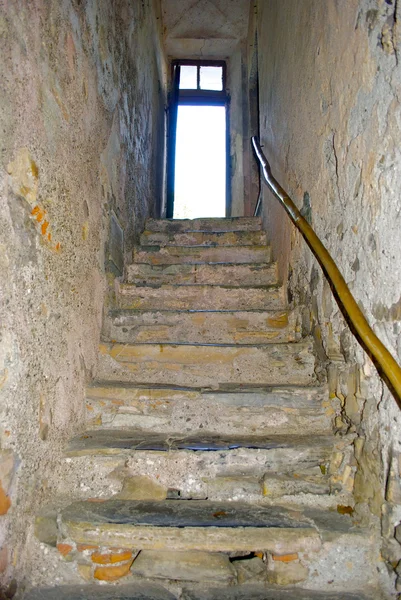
column 388, row 368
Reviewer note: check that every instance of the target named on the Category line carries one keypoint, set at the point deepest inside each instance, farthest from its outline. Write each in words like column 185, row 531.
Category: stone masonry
column 210, row 458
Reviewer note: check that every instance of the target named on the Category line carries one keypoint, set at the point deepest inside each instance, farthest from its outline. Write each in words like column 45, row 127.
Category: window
column 197, row 151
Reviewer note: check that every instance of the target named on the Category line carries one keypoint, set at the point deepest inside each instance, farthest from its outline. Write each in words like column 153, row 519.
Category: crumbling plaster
column 330, row 90
column 82, row 136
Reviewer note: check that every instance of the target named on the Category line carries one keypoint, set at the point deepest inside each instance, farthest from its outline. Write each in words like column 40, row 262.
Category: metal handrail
column 386, row 365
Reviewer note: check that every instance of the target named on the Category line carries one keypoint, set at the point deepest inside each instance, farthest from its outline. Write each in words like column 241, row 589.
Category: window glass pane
column 188, row 77
column 200, row 162
column 211, row 78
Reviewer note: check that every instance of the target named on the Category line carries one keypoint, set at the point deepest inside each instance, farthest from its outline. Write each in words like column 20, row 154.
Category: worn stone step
column 201, row 327
column 271, row 486
column 133, row 591
column 266, row 411
column 263, row 592
column 115, row 441
column 205, row 224
column 156, row 255
column 213, row 274
column 197, row 238
column 182, row 525
column 199, row 297
column 277, row 485
column 100, row 466
column 208, row 366
column 146, row 591
column 202, row 567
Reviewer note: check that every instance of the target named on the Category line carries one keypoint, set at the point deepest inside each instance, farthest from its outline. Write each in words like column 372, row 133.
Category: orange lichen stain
column 5, row 501
column 85, row 231
column 112, row 573
column 64, row 549
column 109, row 558
column 39, row 215
column 219, row 514
column 7, row 433
column 285, row 557
column 279, row 321
column 344, row 510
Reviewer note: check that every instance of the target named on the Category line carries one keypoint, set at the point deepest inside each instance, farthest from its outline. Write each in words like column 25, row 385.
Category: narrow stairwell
column 209, row 468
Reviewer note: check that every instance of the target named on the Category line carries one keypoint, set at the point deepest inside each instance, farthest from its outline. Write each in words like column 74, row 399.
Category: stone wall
column 236, row 91
column 82, row 134
column 330, row 90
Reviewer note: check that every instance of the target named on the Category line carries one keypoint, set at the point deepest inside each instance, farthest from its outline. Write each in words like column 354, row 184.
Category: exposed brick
column 285, row 557
column 112, row 572
column 5, row 501
column 64, row 549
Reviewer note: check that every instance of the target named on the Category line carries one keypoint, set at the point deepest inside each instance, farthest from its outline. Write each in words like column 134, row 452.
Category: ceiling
column 204, row 28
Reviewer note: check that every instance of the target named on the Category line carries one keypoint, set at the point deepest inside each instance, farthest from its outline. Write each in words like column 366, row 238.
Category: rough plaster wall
column 235, row 85
column 330, row 91
column 81, row 114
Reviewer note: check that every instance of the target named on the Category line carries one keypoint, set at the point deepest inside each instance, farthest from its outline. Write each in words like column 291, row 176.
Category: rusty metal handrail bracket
column 388, row 368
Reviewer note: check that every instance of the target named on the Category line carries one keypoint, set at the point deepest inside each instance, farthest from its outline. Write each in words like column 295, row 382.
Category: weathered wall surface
column 235, row 85
column 330, row 91
column 82, row 125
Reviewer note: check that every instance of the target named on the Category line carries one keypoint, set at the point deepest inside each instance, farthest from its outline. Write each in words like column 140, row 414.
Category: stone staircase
column 209, row 468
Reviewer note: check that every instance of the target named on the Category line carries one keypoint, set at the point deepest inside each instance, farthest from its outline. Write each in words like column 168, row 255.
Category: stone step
column 181, row 525
column 271, row 486
column 204, row 225
column 263, row 592
column 199, row 297
column 218, row 274
column 201, row 327
column 170, row 255
column 115, row 441
column 197, row 238
column 162, row 409
column 202, row 567
column 147, row 591
column 133, row 591
column 104, row 463
column 208, row 366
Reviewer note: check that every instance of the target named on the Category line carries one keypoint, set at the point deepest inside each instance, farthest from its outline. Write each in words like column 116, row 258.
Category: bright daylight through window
column 200, row 155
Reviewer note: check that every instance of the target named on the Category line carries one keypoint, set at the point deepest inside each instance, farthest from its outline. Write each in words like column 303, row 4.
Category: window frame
column 198, row 97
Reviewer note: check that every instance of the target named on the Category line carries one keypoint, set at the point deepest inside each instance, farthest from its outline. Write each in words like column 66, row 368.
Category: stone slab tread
column 184, row 513
column 212, row 239
column 140, row 591
column 224, row 274
column 135, row 591
column 157, row 255
column 200, row 297
column 136, row 440
column 255, row 592
column 205, row 224
column 207, row 327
